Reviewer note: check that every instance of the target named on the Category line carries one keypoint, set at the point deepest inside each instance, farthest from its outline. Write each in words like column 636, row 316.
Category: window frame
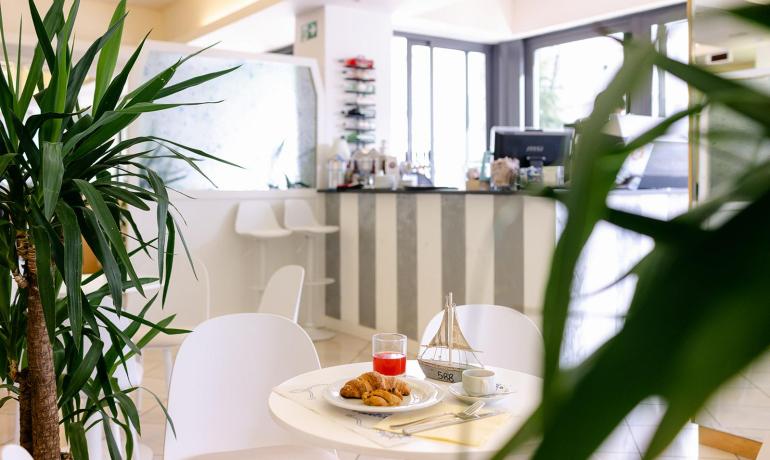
column 461, row 45
column 636, row 26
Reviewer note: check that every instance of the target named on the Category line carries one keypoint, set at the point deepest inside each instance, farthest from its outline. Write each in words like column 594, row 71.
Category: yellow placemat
column 475, row 433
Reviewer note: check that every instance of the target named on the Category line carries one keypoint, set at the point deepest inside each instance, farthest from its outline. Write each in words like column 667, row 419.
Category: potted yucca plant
column 66, row 178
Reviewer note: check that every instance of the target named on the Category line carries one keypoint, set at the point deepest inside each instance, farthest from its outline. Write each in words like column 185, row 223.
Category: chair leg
column 169, row 360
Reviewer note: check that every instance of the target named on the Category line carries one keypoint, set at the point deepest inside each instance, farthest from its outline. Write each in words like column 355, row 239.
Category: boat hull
column 444, row 371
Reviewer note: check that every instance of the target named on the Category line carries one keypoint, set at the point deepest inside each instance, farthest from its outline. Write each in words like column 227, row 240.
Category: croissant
column 375, row 379
column 371, row 381
column 355, row 388
column 381, row 397
column 396, row 386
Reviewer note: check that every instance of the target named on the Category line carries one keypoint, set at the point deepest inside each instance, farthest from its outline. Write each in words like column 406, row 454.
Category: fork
column 470, row 412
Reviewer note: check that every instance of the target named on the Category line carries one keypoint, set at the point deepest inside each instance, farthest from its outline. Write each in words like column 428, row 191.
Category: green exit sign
column 309, row 31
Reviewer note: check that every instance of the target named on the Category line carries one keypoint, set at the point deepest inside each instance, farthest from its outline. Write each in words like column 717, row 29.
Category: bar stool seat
column 299, row 217
column 319, row 229
column 256, row 219
column 266, row 234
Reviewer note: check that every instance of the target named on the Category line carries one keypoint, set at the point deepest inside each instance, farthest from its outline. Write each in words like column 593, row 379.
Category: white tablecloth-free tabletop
column 313, row 429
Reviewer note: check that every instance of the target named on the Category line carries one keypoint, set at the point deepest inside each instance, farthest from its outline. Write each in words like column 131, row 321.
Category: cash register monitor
column 552, row 145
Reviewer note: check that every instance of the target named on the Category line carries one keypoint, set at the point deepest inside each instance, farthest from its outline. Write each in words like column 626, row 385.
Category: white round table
column 311, row 428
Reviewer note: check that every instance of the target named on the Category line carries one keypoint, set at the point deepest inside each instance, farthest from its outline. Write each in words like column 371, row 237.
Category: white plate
column 503, row 391
column 423, row 394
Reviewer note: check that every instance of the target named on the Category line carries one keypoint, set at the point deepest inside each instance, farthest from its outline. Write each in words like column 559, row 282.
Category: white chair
column 283, row 292
column 189, row 298
column 255, row 219
column 223, row 375
column 505, row 337
column 299, row 217
column 14, row 452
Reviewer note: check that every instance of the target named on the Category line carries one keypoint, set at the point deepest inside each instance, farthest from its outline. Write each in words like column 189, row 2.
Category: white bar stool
column 256, row 219
column 299, row 217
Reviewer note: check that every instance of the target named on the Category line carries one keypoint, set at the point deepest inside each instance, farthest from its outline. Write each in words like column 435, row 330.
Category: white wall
column 343, row 33
column 233, row 261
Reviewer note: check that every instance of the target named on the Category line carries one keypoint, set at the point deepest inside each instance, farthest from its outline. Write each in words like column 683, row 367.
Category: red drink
column 388, row 363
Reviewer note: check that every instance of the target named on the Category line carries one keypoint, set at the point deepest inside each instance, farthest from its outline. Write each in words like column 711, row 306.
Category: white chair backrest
column 298, row 214
column 505, row 337
column 255, row 215
column 14, row 452
column 189, row 297
column 223, row 375
column 283, row 292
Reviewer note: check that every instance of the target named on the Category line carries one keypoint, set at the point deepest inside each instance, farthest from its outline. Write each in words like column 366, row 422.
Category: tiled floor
column 626, row 443
column 742, row 406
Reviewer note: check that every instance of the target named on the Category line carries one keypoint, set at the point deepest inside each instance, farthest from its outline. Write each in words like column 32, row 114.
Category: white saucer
column 503, row 391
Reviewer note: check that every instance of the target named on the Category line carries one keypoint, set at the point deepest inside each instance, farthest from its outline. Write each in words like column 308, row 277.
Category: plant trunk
column 42, row 377
column 25, row 409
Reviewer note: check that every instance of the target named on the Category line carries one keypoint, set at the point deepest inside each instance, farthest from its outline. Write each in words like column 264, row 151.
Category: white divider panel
column 479, row 250
column 429, row 266
column 349, row 257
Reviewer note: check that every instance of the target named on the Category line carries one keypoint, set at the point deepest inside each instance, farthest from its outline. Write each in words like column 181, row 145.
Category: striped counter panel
column 397, row 255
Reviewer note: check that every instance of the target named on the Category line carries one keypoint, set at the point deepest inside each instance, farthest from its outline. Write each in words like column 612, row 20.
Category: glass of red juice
column 389, row 353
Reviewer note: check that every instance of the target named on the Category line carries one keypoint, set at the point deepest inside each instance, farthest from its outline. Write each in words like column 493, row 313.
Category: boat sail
column 448, row 353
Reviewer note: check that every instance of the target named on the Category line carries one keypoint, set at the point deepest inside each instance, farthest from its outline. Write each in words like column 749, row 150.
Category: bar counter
column 399, row 252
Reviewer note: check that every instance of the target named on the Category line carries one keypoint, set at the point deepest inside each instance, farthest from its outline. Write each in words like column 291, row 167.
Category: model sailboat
column 448, row 353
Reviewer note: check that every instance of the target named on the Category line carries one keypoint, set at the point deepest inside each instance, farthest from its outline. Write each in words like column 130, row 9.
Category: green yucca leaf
column 76, row 434
column 108, row 57
column 5, row 56
column 44, row 35
column 80, row 70
column 192, row 82
column 103, row 381
column 98, row 243
column 80, row 375
column 60, row 77
column 757, row 14
column 162, row 213
column 109, row 100
column 52, row 172
column 53, row 21
column 72, row 269
column 149, row 90
column 108, row 225
column 18, row 58
column 45, row 277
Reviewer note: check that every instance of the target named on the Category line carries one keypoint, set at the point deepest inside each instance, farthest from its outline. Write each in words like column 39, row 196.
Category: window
column 669, row 94
column 567, row 77
column 439, row 105
column 566, row 70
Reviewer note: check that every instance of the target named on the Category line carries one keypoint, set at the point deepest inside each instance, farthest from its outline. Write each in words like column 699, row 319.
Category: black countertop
column 450, row 191
column 429, row 190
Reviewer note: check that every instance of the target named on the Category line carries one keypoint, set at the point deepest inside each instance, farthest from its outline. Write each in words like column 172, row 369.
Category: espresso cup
column 479, row 382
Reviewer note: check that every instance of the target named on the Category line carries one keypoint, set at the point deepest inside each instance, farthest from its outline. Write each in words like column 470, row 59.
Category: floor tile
column 620, row 441
column 646, row 414
column 685, row 445
column 734, row 417
column 734, row 396
column 616, row 456
column 342, row 349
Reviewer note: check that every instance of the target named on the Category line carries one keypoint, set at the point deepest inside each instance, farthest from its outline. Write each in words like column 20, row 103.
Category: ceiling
column 154, row 4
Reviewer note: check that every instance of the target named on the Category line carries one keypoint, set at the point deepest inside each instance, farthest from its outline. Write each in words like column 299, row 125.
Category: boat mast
column 450, row 324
